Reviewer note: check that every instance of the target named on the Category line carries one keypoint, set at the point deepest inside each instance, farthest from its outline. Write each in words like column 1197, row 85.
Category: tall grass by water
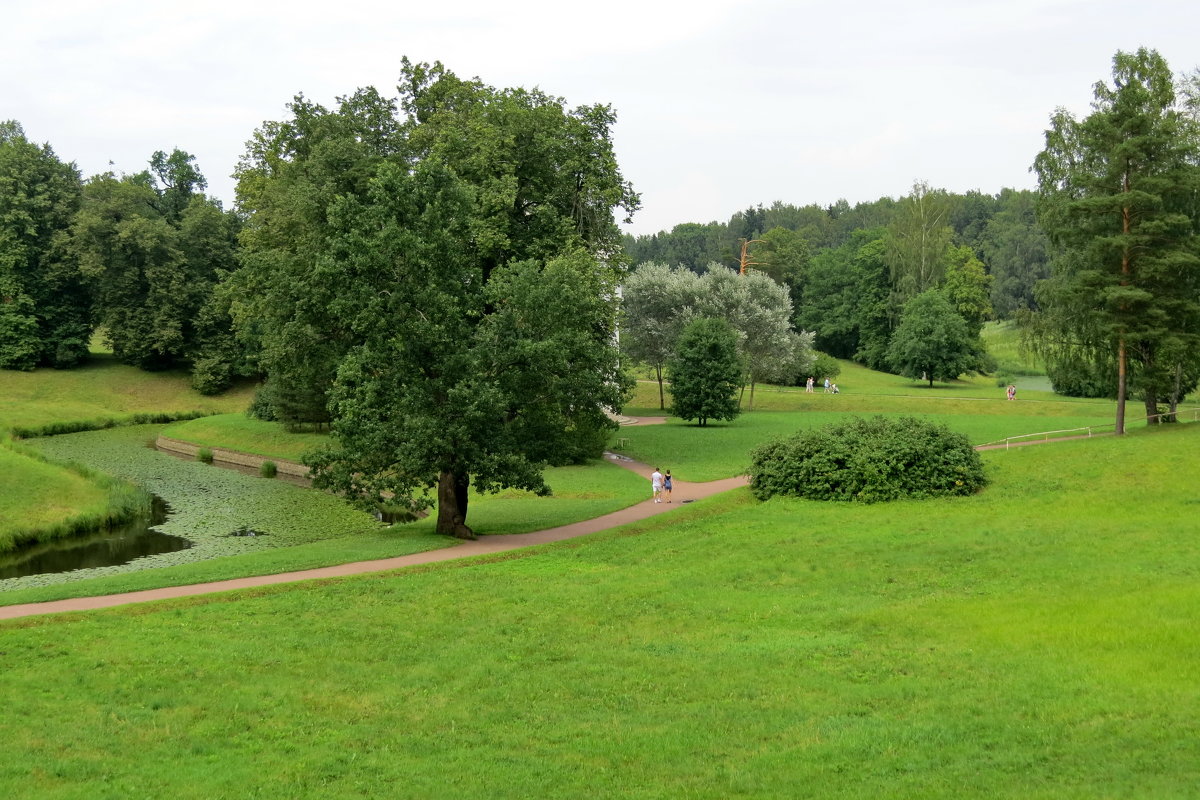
column 41, row 501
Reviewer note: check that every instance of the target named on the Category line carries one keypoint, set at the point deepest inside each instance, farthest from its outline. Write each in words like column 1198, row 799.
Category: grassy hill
column 1035, row 640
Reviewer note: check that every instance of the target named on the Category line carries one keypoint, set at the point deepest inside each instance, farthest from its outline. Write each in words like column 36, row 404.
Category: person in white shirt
column 656, row 485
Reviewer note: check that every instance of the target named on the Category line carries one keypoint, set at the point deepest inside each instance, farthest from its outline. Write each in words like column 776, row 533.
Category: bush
column 211, row 375
column 204, row 455
column 824, row 367
column 268, row 469
column 868, row 460
column 261, row 407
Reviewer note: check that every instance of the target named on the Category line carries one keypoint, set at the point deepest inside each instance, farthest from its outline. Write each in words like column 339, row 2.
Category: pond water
column 105, row 549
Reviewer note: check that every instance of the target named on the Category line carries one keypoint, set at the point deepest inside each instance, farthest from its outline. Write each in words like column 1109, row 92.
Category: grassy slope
column 34, row 494
column 239, row 432
column 1034, row 641
column 103, row 389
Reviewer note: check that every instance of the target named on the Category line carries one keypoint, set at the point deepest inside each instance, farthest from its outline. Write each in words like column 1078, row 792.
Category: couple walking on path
column 660, row 484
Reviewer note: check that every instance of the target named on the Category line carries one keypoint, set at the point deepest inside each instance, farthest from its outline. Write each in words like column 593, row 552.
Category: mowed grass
column 34, row 495
column 246, row 434
column 721, row 450
column 1033, row 641
column 863, row 389
column 104, row 389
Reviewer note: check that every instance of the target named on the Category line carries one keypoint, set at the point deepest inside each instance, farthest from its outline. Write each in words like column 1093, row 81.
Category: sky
column 720, row 105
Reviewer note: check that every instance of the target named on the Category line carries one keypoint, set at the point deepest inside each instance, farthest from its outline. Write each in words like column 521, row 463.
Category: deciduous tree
column 473, row 278
column 705, row 372
column 932, row 341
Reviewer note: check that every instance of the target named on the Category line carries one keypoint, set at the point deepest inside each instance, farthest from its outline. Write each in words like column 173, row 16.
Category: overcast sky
column 720, row 105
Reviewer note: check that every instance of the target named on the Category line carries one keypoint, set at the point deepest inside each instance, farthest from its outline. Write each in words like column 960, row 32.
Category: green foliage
column 479, row 370
column 932, row 341
column 45, row 310
column 211, row 375
column 825, row 367
column 103, row 423
column 968, row 288
column 705, row 372
column 919, row 241
column 154, row 253
column 868, row 460
column 260, row 407
column 847, row 301
column 1117, row 196
column 204, row 455
column 268, row 469
column 1016, row 252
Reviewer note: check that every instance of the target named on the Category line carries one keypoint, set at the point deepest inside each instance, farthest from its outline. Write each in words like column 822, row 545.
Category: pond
column 108, row 548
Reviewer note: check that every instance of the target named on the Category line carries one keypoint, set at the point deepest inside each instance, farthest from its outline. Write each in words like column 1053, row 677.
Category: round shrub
column 868, row 460
column 268, row 469
column 211, row 375
column 204, row 455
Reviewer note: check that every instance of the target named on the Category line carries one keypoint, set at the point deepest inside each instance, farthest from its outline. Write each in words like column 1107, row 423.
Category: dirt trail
column 486, row 545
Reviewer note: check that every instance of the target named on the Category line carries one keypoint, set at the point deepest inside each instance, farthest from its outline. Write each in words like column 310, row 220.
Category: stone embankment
column 223, row 457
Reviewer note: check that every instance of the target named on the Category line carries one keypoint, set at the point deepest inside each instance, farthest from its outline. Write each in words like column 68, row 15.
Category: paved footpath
column 485, row 545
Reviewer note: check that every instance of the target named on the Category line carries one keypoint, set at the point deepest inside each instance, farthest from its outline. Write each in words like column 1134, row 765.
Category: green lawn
column 721, row 450
column 103, row 389
column 35, row 495
column 240, row 432
column 865, row 390
column 1034, row 641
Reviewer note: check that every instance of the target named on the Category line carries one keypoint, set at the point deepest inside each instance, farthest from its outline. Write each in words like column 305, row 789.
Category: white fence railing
column 1089, row 430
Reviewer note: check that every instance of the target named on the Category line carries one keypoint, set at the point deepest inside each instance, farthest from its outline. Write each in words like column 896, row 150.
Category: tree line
column 436, row 275
column 1098, row 266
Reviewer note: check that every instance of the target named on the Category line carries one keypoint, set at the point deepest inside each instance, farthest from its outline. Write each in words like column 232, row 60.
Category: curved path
column 683, row 492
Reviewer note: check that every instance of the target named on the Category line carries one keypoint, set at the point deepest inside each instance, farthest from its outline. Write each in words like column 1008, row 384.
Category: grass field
column 248, row 435
column 1033, row 641
column 104, row 389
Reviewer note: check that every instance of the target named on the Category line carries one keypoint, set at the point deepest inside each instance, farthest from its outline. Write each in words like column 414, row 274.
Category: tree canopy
column 705, row 372
column 933, row 341
column 1118, row 197
column 462, row 274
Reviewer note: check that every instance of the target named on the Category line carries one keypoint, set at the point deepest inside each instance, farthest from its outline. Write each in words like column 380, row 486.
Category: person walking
column 808, row 387
column 826, row 386
column 656, row 485
column 667, row 485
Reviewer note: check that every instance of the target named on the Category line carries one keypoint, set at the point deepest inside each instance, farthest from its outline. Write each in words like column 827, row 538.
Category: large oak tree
column 461, row 276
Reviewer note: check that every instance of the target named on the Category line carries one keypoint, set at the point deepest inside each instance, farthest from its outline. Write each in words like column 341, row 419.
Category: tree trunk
column 452, row 505
column 1120, row 423
column 1126, row 270
column 1175, row 392
column 751, row 391
column 662, row 404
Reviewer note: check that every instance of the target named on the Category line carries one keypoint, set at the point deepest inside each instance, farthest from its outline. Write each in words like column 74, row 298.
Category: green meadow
column 1033, row 641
